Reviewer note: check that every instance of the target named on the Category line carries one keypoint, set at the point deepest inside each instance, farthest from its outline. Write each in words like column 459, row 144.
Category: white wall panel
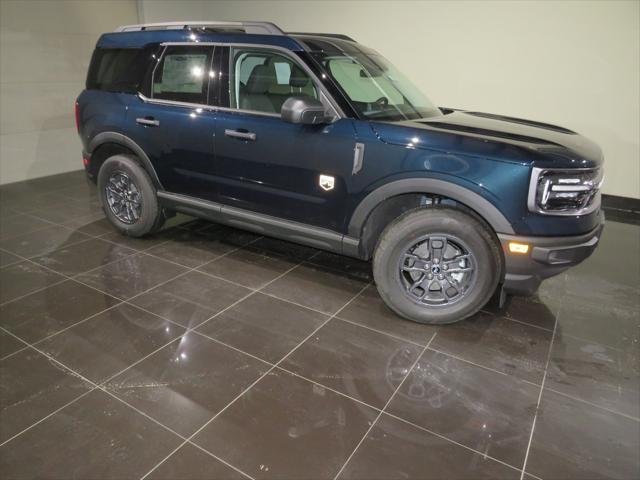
column 574, row 63
column 45, row 49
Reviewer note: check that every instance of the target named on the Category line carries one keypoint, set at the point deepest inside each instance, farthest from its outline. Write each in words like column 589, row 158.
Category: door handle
column 237, row 134
column 148, row 121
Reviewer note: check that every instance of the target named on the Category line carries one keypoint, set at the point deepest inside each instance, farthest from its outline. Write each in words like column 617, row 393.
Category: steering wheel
column 382, row 101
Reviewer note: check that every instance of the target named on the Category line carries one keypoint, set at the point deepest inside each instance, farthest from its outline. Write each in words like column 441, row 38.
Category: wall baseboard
column 621, row 209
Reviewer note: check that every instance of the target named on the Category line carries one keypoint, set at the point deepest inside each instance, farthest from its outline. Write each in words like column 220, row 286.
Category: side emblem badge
column 327, row 182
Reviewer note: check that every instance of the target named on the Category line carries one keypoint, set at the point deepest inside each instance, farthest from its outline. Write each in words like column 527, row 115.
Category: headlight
column 565, row 192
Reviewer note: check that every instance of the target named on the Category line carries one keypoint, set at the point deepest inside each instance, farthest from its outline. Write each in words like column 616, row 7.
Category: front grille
column 565, row 192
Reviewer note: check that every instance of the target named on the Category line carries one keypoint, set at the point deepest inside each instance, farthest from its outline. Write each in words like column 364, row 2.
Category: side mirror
column 304, row 110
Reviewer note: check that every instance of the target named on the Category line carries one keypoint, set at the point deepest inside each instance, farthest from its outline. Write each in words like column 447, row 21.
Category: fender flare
column 474, row 201
column 119, row 138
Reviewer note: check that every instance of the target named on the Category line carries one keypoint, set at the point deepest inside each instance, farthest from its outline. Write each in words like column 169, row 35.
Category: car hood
column 551, row 141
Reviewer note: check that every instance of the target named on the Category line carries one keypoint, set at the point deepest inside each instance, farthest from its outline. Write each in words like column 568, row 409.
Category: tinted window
column 183, row 75
column 118, row 70
column 261, row 80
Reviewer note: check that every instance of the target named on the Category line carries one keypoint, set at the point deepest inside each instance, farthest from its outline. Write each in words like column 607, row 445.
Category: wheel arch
column 389, row 201
column 107, row 144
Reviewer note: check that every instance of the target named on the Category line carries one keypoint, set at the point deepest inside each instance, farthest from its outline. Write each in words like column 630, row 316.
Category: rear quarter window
column 118, row 70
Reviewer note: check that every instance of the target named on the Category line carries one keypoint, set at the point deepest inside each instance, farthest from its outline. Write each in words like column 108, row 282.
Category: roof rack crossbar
column 260, row 28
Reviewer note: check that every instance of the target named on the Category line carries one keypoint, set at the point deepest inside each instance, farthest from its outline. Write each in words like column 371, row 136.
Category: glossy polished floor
column 207, row 352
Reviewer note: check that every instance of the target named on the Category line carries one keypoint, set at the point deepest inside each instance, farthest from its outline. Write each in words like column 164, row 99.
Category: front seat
column 255, row 95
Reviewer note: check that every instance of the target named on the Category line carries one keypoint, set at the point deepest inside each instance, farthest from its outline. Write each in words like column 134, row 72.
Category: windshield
column 375, row 88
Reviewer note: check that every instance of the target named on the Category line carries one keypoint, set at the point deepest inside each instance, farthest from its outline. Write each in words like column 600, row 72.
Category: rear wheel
column 436, row 265
column 128, row 196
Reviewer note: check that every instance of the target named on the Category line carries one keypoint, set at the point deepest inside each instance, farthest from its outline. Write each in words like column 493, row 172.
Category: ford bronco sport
column 319, row 140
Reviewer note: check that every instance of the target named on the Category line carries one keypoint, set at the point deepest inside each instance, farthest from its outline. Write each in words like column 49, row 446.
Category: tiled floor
column 207, row 352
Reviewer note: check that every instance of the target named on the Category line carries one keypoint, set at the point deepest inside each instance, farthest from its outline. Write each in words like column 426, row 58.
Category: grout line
column 20, row 297
column 73, row 372
column 409, row 371
column 535, row 417
column 22, row 349
column 439, row 435
column 404, row 340
column 613, row 412
column 484, row 367
column 264, row 375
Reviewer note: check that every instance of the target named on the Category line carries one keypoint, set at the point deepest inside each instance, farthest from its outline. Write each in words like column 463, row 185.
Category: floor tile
column 281, row 248
column 131, row 276
column 316, row 287
column 611, row 324
column 601, row 375
column 32, row 387
column 43, row 241
column 103, row 439
column 191, row 463
column 369, row 310
column 9, row 344
column 7, row 259
column 111, row 341
column 192, row 249
column 20, row 225
column 487, row 411
column 48, row 311
column 286, row 427
column 263, row 326
column 249, row 267
column 497, row 343
column 83, row 256
column 575, row 440
column 23, row 278
column 136, row 243
column 187, row 382
column 347, row 266
column 530, row 310
column 60, row 212
column 191, row 299
column 396, row 450
column 94, row 224
column 361, row 363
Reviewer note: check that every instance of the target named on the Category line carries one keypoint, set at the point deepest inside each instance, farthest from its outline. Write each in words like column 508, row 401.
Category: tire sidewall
column 432, row 221
column 149, row 211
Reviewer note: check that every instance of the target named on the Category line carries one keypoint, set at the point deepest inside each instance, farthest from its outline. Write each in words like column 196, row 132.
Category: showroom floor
column 208, row 352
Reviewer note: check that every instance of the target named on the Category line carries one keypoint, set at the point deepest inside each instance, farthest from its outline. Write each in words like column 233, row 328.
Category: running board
column 296, row 232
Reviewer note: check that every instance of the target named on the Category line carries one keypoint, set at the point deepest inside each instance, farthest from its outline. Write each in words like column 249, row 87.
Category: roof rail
column 328, row 35
column 261, row 28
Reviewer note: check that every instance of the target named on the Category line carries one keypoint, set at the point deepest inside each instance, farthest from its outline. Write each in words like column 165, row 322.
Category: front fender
column 465, row 196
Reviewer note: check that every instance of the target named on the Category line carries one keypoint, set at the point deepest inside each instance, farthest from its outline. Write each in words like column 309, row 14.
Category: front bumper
column 547, row 256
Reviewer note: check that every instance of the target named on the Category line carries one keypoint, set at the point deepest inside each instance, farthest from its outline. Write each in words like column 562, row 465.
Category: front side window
column 375, row 88
column 261, row 80
column 183, row 75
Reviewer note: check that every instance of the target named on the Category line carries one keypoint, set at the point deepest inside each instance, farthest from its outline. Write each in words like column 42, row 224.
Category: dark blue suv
column 319, row 140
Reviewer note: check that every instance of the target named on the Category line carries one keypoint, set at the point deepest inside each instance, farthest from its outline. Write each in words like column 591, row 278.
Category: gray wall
column 573, row 63
column 45, row 48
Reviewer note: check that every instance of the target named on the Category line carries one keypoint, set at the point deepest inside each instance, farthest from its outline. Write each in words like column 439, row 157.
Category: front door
column 266, row 165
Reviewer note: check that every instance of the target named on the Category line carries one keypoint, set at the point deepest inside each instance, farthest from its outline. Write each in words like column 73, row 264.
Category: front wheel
column 128, row 196
column 436, row 265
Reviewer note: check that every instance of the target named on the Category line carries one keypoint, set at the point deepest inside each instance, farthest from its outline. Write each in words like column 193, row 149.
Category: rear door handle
column 148, row 121
column 237, row 134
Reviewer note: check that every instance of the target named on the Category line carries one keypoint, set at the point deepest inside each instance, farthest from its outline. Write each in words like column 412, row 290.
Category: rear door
column 267, row 165
column 172, row 122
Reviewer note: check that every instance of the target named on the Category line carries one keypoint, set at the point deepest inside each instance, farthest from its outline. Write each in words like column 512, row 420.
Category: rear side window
column 183, row 74
column 118, row 69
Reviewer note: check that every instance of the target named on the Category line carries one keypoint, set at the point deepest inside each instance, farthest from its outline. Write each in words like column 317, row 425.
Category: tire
column 474, row 276
column 145, row 215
